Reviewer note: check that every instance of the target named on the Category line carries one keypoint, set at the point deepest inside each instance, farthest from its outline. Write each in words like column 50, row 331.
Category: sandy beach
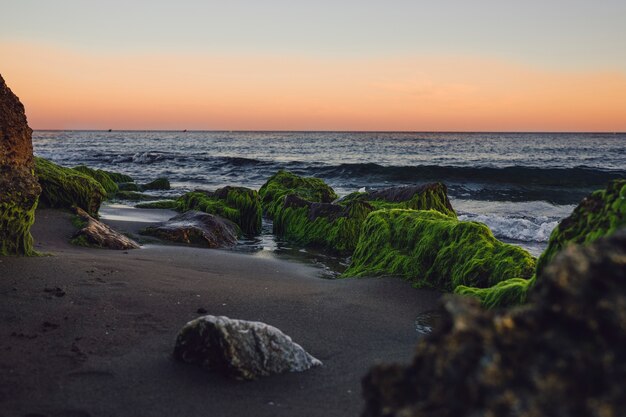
column 90, row 332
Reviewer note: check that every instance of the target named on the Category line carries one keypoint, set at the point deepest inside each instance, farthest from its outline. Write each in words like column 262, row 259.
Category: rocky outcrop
column 19, row 188
column 560, row 355
column 197, row 228
column 158, row 184
column 67, row 188
column 284, row 183
column 435, row 250
column 97, row 234
column 238, row 204
column 240, row 349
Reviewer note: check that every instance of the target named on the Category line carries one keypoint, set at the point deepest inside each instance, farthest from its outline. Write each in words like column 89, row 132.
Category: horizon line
column 333, row 131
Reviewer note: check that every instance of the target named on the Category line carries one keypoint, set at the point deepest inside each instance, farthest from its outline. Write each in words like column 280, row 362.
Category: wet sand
column 100, row 344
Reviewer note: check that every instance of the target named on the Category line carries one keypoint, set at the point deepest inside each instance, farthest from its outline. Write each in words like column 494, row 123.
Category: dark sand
column 104, row 348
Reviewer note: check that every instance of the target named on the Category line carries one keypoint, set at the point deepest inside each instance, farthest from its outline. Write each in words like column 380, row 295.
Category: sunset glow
column 65, row 85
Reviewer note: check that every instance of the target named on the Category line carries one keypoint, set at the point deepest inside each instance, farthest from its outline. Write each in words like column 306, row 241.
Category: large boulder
column 19, row 189
column 284, row 183
column 238, row 204
column 561, row 355
column 197, row 228
column 97, row 234
column 68, row 188
column 336, row 227
column 435, row 250
column 241, row 349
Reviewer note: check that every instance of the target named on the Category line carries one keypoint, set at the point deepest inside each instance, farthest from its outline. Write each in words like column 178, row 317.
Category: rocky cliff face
column 561, row 355
column 19, row 188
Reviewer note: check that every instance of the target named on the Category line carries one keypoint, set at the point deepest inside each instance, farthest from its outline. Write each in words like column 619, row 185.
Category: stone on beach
column 19, row 189
column 195, row 227
column 96, row 233
column 560, row 355
column 241, row 349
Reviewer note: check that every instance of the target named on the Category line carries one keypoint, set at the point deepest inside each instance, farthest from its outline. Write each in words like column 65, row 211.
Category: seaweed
column 510, row 292
column 238, row 204
column 158, row 184
column 432, row 196
column 600, row 214
column 328, row 226
column 101, row 176
column 16, row 218
column 162, row 204
column 66, row 187
column 283, row 183
column 434, row 250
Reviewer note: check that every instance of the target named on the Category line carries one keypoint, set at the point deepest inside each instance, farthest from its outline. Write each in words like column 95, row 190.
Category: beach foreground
column 90, row 332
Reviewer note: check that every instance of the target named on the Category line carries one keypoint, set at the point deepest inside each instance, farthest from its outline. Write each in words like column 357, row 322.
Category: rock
column 158, row 184
column 19, row 188
column 435, row 250
column 238, row 204
column 562, row 354
column 195, row 227
column 599, row 214
column 119, row 178
column 283, row 183
column 68, row 188
column 160, row 204
column 101, row 176
column 432, row 196
column 128, row 186
column 95, row 233
column 241, row 349
column 133, row 196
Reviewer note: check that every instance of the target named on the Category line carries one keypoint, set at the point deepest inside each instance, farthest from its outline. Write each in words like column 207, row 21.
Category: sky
column 319, row 65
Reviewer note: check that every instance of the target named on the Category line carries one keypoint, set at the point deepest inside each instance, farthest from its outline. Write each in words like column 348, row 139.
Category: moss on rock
column 600, row 214
column 65, row 187
column 238, row 204
column 119, row 178
column 162, row 204
column 158, row 184
column 435, row 250
column 128, row 186
column 133, row 196
column 510, row 292
column 101, row 176
column 283, row 183
column 418, row 197
column 324, row 225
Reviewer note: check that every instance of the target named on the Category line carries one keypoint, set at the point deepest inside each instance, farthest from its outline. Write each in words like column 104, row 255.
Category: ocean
column 518, row 184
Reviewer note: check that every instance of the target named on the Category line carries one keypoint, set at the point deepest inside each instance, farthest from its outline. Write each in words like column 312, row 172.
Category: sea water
column 518, row 184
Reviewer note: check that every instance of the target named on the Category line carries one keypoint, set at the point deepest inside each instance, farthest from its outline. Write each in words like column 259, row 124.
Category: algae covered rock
column 560, row 355
column 240, row 349
column 133, row 196
column 283, row 183
column 19, row 188
column 158, row 184
column 119, row 178
column 238, row 204
column 97, row 234
column 66, row 188
column 337, row 226
column 195, row 227
column 432, row 196
column 599, row 214
column 161, row 204
column 101, row 176
column 435, row 250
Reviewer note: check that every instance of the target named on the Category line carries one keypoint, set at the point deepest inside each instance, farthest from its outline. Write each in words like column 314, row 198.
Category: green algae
column 128, row 186
column 66, row 187
column 101, row 176
column 426, row 197
column 283, row 183
column 238, row 204
column 158, row 184
column 16, row 218
column 119, row 178
column 510, row 292
column 434, row 250
column 163, row 204
column 600, row 214
column 327, row 226
column 133, row 196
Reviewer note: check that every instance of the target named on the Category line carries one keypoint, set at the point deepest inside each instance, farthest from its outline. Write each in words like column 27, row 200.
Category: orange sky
column 73, row 89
